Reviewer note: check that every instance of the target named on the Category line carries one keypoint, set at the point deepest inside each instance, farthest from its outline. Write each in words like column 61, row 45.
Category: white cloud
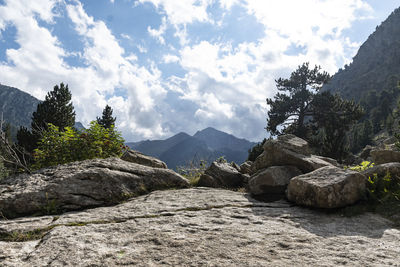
column 158, row 34
column 224, row 84
column 38, row 64
column 183, row 12
column 170, row 58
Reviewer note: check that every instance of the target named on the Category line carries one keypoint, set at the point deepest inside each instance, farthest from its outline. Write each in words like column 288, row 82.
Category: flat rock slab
column 80, row 185
column 202, row 227
column 142, row 159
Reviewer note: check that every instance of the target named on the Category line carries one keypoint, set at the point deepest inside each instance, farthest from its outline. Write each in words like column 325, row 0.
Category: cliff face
column 376, row 65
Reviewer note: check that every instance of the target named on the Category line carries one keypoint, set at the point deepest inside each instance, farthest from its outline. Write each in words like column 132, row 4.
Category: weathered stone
column 276, row 156
column 201, row 227
column 333, row 162
column 139, row 158
column 273, row 180
column 207, row 181
column 221, row 174
column 327, row 187
column 245, row 167
column 79, row 185
column 290, row 142
column 380, row 156
column 288, row 150
column 234, row 165
column 393, row 168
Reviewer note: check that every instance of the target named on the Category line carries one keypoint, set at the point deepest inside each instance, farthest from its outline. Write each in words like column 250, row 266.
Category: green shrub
column 383, row 189
column 362, row 167
column 59, row 147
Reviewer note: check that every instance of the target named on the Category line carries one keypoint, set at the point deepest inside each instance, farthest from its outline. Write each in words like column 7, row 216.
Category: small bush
column 362, row 167
column 60, row 147
column 193, row 171
column 383, row 189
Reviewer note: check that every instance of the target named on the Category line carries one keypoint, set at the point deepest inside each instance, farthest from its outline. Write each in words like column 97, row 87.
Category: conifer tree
column 292, row 105
column 107, row 119
column 57, row 109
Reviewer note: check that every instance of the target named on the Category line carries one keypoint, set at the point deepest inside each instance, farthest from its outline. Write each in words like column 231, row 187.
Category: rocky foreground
column 199, row 227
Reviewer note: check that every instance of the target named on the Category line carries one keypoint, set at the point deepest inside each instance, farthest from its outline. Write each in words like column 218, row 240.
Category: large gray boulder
column 199, row 227
column 139, row 158
column 222, row 175
column 273, row 180
column 381, row 156
column 327, row 187
column 245, row 167
column 80, row 185
column 288, row 150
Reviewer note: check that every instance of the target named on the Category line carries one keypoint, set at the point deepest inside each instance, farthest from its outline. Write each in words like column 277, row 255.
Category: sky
column 170, row 66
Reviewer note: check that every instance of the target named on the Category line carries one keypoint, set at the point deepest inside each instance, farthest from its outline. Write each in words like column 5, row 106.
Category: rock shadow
column 321, row 222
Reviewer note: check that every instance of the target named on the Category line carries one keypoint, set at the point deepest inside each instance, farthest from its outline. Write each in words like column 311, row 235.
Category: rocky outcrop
column 245, row 167
column 272, row 180
column 199, row 227
column 288, row 150
column 222, row 175
column 80, row 185
column 139, row 158
column 381, row 156
column 327, row 187
column 393, row 168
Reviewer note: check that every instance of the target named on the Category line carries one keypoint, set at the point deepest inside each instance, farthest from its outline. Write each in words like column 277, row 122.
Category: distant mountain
column 208, row 144
column 17, row 106
column 376, row 65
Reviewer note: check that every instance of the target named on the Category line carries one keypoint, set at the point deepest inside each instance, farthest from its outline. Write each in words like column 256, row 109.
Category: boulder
column 80, row 185
column 274, row 155
column 327, row 187
column 245, row 167
column 199, row 227
column 381, row 170
column 139, row 158
column 381, row 156
column 290, row 142
column 221, row 174
column 273, row 180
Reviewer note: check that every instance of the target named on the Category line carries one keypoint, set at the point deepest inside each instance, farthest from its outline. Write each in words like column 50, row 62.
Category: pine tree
column 57, row 109
column 332, row 118
column 293, row 105
column 107, row 119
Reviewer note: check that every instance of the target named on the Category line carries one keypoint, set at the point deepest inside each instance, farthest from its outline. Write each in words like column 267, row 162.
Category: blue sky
column 167, row 66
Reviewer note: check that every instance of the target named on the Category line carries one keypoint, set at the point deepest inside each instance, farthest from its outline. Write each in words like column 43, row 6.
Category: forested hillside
column 376, row 66
column 17, row 106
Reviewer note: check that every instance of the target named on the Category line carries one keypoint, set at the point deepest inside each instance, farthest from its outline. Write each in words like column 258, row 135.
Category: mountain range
column 179, row 150
column 183, row 149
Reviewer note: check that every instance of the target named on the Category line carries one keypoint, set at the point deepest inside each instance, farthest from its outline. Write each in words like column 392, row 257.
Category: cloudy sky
column 167, row 66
